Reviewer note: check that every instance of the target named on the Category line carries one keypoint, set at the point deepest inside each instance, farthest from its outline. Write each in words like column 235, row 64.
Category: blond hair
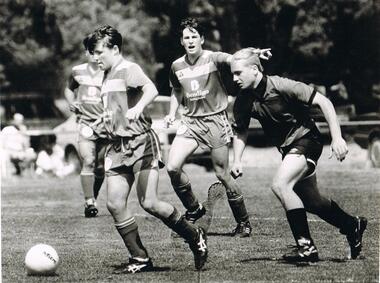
column 250, row 55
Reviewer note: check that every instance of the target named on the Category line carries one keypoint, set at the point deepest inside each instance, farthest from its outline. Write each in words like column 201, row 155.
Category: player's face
column 192, row 41
column 244, row 75
column 104, row 56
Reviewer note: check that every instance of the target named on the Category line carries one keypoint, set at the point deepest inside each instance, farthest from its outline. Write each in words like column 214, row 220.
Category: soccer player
column 133, row 154
column 83, row 94
column 282, row 107
column 196, row 84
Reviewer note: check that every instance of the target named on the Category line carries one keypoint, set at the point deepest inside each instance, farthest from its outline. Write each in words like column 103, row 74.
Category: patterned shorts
column 212, row 131
column 131, row 155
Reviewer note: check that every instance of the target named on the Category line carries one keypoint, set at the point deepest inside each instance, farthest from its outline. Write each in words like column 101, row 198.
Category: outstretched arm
column 338, row 144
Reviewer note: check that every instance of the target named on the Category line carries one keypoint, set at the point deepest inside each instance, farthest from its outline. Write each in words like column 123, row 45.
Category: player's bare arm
column 239, row 142
column 338, row 144
column 149, row 94
column 175, row 100
column 70, row 97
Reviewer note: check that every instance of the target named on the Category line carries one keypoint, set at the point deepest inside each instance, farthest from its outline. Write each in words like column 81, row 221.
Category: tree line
column 316, row 41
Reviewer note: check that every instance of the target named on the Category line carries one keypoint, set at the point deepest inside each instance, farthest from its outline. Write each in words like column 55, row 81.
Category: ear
column 115, row 50
column 202, row 39
column 182, row 41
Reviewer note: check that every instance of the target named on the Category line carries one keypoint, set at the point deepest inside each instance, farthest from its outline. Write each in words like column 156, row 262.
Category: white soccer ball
column 41, row 259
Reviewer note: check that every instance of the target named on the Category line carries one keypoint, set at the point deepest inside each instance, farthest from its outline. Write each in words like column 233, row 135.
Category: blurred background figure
column 50, row 160
column 15, row 146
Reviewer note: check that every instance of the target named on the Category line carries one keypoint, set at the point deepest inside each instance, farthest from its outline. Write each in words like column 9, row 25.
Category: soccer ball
column 41, row 259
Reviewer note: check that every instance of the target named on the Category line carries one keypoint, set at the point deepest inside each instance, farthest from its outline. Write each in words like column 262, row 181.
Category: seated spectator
column 15, row 145
column 50, row 160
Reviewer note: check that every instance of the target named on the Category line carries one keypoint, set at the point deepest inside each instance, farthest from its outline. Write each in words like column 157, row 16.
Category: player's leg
column 181, row 148
column 99, row 170
column 146, row 186
column 328, row 210
column 118, row 189
column 235, row 198
column 292, row 169
column 87, row 152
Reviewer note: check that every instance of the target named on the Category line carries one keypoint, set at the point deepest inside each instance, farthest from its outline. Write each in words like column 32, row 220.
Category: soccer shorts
column 98, row 131
column 212, row 131
column 131, row 155
column 310, row 145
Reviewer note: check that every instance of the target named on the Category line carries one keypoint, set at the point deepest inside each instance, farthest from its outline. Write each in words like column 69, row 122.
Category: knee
column 88, row 164
column 173, row 170
column 279, row 189
column 115, row 206
column 149, row 205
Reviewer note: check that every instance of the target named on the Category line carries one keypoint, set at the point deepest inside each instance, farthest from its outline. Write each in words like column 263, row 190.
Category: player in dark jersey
column 196, row 84
column 282, row 107
column 133, row 154
column 83, row 94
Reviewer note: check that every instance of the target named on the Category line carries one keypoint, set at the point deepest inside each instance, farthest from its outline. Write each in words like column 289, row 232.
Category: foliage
column 314, row 41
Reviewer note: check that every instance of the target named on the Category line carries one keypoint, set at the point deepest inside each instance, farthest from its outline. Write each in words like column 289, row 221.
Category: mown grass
column 51, row 211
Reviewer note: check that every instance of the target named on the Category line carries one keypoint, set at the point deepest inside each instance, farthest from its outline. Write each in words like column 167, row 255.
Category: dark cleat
column 199, row 248
column 305, row 252
column 354, row 238
column 90, row 210
column 136, row 265
column 242, row 230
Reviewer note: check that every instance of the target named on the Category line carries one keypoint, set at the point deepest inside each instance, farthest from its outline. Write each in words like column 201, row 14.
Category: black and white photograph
column 190, row 141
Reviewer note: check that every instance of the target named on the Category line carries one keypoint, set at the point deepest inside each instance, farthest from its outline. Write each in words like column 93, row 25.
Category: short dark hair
column 192, row 24
column 85, row 41
column 110, row 34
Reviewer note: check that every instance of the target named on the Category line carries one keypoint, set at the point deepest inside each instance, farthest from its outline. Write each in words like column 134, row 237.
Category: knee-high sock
column 335, row 216
column 128, row 231
column 87, row 180
column 298, row 224
column 237, row 205
column 98, row 184
column 188, row 199
column 180, row 225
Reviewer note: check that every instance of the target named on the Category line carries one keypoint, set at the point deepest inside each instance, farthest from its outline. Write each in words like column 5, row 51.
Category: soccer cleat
column 355, row 237
column 242, row 230
column 304, row 252
column 193, row 216
column 90, row 209
column 136, row 265
column 199, row 248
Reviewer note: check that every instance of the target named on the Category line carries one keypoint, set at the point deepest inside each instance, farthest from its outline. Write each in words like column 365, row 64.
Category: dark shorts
column 131, row 155
column 310, row 145
column 210, row 131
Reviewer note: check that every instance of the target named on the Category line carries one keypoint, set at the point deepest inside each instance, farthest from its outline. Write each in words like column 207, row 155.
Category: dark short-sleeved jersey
column 200, row 83
column 280, row 105
column 87, row 86
column 122, row 90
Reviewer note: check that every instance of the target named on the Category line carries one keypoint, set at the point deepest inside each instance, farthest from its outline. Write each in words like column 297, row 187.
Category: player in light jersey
column 196, row 84
column 282, row 107
column 133, row 154
column 83, row 94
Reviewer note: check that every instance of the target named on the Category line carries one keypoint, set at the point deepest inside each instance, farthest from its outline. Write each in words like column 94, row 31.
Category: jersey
column 280, row 105
column 200, row 83
column 122, row 90
column 87, row 84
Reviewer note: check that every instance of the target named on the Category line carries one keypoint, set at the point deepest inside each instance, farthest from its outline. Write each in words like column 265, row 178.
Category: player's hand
column 169, row 119
column 338, row 148
column 133, row 113
column 265, row 54
column 236, row 170
column 74, row 107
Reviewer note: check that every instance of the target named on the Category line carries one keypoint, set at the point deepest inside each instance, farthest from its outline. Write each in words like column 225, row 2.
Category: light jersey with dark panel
column 203, row 91
column 87, row 83
column 280, row 105
column 121, row 90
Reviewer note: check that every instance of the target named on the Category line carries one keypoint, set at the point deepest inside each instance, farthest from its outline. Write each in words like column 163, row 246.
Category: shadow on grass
column 118, row 269
column 228, row 234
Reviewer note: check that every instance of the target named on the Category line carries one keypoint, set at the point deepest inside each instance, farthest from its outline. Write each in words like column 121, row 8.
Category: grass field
column 51, row 211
